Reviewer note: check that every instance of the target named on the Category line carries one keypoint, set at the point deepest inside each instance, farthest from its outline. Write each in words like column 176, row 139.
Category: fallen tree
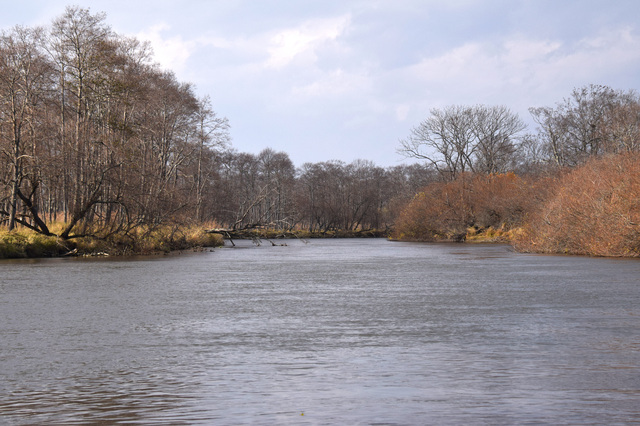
column 255, row 232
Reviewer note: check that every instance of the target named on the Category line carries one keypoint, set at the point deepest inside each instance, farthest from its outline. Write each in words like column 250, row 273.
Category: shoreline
column 24, row 244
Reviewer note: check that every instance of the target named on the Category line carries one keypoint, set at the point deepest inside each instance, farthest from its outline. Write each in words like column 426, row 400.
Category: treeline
column 95, row 136
column 266, row 190
column 97, row 141
column 574, row 187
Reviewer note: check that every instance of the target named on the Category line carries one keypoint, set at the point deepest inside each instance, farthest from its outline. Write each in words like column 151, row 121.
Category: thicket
column 468, row 207
column 593, row 210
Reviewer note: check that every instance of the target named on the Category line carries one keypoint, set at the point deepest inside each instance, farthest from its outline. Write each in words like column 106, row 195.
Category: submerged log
column 249, row 233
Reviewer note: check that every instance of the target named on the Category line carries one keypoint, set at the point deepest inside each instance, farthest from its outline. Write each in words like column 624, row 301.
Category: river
column 353, row 331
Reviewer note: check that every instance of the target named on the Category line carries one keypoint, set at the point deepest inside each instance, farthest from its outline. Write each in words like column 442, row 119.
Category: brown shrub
column 447, row 210
column 592, row 210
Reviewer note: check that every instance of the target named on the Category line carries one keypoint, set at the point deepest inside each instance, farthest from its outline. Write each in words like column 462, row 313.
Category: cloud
column 288, row 44
column 518, row 70
column 332, row 84
column 364, row 76
column 402, row 112
column 172, row 53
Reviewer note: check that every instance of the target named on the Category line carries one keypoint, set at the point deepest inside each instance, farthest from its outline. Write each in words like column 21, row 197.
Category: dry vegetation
column 467, row 208
column 103, row 151
column 25, row 243
column 577, row 190
column 593, row 209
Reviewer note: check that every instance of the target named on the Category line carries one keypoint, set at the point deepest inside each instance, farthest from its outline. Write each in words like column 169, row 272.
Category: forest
column 103, row 151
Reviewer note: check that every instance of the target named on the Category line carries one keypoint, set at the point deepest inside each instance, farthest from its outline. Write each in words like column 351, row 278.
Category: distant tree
column 622, row 129
column 531, row 155
column 212, row 134
column 495, row 129
column 321, row 188
column 444, row 139
column 277, row 174
column 582, row 126
column 335, row 196
column 459, row 139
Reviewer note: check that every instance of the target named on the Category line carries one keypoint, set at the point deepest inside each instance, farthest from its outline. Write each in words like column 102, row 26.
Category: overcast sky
column 346, row 79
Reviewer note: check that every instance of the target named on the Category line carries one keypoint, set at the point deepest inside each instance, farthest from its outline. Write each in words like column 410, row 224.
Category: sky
column 348, row 79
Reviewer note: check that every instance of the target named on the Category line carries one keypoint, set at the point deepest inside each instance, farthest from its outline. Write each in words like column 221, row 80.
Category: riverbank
column 301, row 234
column 501, row 235
column 22, row 243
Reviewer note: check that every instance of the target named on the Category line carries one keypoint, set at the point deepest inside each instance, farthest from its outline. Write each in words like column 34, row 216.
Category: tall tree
column 24, row 82
column 91, row 128
column 81, row 46
column 212, row 134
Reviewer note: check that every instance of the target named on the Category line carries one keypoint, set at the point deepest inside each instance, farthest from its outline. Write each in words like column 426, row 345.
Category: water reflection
column 342, row 331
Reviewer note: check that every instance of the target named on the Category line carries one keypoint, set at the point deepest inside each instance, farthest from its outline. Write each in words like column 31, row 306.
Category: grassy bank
column 502, row 234
column 25, row 243
column 28, row 244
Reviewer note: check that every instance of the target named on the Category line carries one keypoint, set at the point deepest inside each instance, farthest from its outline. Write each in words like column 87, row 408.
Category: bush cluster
column 593, row 209
column 467, row 206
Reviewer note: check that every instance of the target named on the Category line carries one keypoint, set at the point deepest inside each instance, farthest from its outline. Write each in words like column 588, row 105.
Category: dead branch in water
column 249, row 232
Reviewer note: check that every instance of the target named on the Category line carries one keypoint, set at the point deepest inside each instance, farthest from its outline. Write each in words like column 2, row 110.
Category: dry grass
column 24, row 243
column 503, row 234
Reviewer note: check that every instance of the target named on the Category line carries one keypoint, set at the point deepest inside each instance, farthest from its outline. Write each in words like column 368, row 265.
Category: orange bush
column 448, row 210
column 592, row 210
column 438, row 212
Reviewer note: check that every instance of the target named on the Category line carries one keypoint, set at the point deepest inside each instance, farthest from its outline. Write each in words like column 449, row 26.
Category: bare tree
column 552, row 135
column 495, row 131
column 212, row 133
column 582, row 125
column 458, row 139
column 91, row 128
column 622, row 129
column 24, row 80
column 277, row 174
column 79, row 45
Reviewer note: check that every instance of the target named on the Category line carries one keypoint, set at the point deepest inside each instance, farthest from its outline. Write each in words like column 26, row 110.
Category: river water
column 330, row 332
